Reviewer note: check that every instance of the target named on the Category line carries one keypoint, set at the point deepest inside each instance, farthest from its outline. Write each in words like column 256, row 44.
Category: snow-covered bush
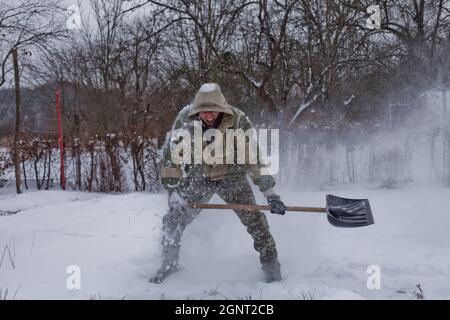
column 111, row 163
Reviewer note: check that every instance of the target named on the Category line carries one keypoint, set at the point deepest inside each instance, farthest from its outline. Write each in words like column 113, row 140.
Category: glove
column 276, row 205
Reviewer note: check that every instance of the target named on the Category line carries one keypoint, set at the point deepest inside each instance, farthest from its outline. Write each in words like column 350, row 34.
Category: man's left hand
column 276, row 205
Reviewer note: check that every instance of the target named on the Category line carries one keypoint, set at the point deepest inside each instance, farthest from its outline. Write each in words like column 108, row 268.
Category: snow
column 256, row 83
column 302, row 108
column 350, row 99
column 114, row 239
column 208, row 87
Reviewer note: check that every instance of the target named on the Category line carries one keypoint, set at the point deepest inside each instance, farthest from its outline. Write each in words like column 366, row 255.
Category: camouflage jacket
column 175, row 173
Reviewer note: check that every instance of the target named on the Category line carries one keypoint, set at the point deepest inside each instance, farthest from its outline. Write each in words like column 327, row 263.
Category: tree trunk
column 49, row 167
column 91, row 174
column 133, row 155
column 24, row 174
column 36, row 172
column 18, row 129
column 77, row 149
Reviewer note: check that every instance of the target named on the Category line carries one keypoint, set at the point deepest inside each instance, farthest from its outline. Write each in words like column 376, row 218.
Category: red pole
column 60, row 140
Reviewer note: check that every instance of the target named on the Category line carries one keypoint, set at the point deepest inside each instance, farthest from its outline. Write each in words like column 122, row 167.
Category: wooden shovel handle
column 252, row 207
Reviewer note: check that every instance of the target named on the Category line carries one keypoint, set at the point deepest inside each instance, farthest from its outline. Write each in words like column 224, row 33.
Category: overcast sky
column 87, row 20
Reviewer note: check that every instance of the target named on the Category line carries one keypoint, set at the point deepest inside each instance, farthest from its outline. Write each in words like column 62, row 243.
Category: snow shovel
column 341, row 212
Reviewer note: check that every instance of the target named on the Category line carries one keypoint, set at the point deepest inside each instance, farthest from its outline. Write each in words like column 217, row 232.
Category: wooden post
column 18, row 129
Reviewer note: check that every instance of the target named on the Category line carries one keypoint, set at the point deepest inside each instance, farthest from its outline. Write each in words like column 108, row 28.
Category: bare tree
column 26, row 24
column 18, row 129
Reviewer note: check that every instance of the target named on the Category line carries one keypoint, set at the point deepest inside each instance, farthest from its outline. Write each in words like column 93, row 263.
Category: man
column 196, row 183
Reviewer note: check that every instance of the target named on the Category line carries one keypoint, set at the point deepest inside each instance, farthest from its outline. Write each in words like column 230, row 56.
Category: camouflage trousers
column 201, row 191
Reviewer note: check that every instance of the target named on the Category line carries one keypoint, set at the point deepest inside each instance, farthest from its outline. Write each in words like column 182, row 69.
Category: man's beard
column 214, row 125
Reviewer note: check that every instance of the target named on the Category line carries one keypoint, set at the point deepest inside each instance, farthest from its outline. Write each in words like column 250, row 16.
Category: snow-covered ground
column 114, row 239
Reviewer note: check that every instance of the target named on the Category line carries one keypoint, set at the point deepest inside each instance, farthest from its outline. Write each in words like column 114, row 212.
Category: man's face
column 209, row 117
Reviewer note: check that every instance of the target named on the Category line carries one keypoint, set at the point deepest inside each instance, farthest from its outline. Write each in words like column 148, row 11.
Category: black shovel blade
column 348, row 213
